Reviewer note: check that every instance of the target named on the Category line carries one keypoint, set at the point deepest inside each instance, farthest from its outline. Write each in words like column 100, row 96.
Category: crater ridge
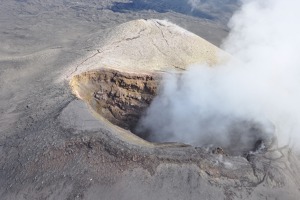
column 123, row 77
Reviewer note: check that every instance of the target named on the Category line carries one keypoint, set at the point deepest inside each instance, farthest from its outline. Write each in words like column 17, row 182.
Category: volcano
column 122, row 77
column 78, row 139
column 118, row 82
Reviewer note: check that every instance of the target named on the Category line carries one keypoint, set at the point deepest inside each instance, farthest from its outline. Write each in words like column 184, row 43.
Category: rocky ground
column 53, row 147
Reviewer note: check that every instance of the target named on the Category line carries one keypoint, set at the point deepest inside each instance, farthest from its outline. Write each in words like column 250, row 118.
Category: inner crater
column 122, row 98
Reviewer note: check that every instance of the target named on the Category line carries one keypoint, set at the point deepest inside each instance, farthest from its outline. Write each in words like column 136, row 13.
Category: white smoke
column 254, row 95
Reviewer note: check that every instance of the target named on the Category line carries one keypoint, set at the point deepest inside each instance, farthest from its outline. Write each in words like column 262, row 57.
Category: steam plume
column 254, row 95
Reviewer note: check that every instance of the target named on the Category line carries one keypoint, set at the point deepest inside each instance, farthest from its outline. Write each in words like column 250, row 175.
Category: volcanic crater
column 122, row 98
column 119, row 97
column 120, row 80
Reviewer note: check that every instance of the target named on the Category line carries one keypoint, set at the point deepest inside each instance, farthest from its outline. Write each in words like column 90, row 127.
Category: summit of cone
column 149, row 45
column 126, row 65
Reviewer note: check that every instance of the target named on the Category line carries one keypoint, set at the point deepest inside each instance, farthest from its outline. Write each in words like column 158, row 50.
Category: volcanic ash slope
column 148, row 45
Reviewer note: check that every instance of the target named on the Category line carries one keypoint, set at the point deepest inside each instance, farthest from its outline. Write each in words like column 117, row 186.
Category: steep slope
column 149, row 45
